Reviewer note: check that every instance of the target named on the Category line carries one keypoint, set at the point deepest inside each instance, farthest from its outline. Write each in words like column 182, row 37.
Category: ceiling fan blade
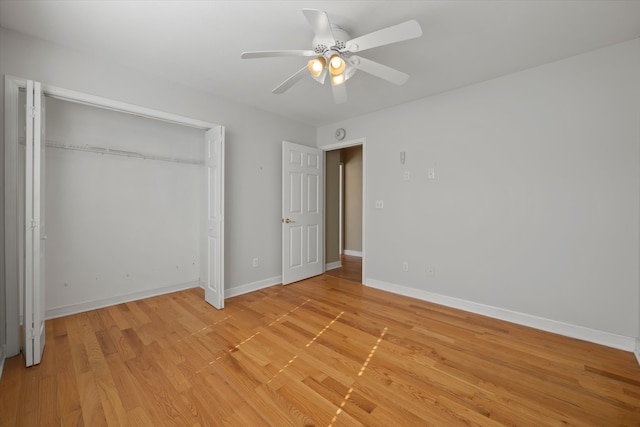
column 320, row 24
column 339, row 93
column 397, row 33
column 299, row 75
column 376, row 69
column 276, row 53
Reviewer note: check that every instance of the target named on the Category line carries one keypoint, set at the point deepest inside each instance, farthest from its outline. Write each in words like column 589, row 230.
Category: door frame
column 338, row 146
column 12, row 86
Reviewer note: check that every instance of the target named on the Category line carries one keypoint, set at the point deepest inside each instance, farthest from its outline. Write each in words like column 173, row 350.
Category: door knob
column 287, row 221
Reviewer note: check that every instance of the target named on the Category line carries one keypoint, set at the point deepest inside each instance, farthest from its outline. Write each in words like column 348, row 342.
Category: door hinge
column 32, row 111
column 34, row 224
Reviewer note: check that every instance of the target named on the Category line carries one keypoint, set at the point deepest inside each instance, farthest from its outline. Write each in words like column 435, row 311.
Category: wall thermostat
column 340, row 134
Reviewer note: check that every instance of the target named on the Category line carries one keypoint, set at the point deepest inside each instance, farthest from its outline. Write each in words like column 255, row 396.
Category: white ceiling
column 198, row 43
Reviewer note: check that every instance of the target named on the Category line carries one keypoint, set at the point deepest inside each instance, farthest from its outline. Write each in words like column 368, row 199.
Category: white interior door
column 213, row 250
column 302, row 212
column 33, row 329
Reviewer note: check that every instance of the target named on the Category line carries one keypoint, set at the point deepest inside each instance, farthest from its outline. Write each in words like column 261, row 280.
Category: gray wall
column 534, row 207
column 253, row 151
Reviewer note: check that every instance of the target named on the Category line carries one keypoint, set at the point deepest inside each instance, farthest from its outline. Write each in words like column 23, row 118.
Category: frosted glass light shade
column 337, row 80
column 336, row 65
column 316, row 65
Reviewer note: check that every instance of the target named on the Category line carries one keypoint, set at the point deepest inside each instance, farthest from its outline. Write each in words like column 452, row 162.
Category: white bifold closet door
column 213, row 276
column 33, row 331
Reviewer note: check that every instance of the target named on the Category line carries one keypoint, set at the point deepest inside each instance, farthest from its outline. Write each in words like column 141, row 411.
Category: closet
column 123, row 197
column 132, row 203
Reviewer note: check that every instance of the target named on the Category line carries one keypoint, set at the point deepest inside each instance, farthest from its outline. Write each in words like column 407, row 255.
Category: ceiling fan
column 333, row 54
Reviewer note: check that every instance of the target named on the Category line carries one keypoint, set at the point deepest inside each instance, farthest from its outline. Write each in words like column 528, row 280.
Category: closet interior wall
column 122, row 207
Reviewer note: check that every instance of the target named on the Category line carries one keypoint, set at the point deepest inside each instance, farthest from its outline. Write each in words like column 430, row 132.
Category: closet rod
column 115, row 152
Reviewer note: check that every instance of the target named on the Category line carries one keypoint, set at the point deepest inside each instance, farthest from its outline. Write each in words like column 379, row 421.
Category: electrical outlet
column 405, row 266
column 254, row 263
column 430, row 271
column 406, row 175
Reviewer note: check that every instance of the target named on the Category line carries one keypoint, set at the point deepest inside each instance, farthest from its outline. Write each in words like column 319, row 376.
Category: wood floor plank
column 320, row 358
column 11, row 385
column 203, row 408
column 59, row 327
column 157, row 391
column 246, row 416
column 350, row 269
column 73, row 419
column 28, row 405
column 128, row 388
column 170, row 370
column 68, row 397
column 140, row 417
column 216, row 389
column 118, row 317
column 92, row 411
column 337, row 393
column 324, row 351
column 263, row 399
column 124, row 312
column 314, row 405
column 121, row 344
column 114, row 411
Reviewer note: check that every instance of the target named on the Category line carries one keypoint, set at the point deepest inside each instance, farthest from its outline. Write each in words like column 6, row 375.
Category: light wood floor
column 351, row 269
column 321, row 352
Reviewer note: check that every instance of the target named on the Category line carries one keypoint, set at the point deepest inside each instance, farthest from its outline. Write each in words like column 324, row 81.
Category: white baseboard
column 586, row 334
column 251, row 287
column 333, row 265
column 52, row 313
column 352, row 253
column 92, row 305
column 637, row 350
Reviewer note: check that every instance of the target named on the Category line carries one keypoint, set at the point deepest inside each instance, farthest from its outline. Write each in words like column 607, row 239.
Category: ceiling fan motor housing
column 340, row 35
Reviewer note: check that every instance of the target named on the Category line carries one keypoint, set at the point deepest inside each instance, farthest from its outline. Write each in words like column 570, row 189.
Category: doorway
column 344, row 210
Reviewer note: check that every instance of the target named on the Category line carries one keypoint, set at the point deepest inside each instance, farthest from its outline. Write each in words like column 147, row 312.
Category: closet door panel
column 214, row 219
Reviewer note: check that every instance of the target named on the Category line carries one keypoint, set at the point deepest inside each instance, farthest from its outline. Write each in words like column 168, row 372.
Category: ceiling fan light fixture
column 337, row 79
column 333, row 54
column 336, row 65
column 316, row 65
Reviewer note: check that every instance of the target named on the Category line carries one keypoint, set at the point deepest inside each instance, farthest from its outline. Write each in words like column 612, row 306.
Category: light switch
column 379, row 204
column 431, row 173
